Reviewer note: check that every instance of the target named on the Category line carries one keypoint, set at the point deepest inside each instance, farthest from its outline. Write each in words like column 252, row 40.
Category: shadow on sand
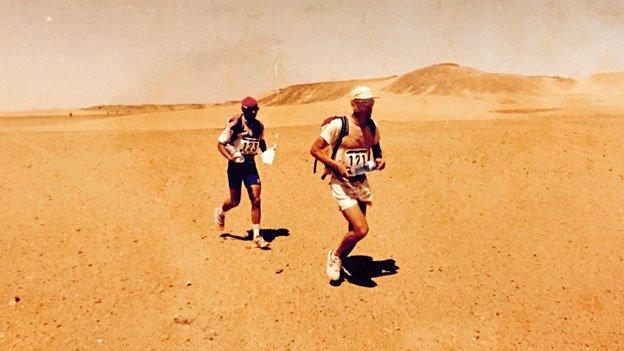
column 268, row 234
column 360, row 270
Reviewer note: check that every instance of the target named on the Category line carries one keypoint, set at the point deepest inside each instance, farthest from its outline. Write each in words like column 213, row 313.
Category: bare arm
column 224, row 152
column 378, row 156
column 317, row 150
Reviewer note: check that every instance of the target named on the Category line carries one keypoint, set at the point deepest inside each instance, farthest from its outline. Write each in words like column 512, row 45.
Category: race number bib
column 354, row 158
column 249, row 146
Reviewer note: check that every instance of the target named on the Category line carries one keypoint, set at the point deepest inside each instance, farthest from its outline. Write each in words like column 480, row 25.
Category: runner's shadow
column 360, row 270
column 268, row 234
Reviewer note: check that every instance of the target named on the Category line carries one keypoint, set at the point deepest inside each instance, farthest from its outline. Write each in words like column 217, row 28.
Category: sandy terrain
column 497, row 225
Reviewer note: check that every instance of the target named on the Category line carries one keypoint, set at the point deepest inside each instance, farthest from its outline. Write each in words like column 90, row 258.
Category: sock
column 220, row 212
column 256, row 230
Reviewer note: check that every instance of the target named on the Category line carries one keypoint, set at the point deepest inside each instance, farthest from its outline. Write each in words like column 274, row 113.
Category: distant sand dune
column 609, row 79
column 439, row 92
column 452, row 79
column 526, row 110
column 144, row 108
column 317, row 92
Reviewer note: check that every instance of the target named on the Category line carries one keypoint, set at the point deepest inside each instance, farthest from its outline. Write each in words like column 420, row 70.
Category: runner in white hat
column 348, row 182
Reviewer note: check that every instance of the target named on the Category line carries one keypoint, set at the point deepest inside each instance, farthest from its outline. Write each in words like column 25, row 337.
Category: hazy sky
column 80, row 53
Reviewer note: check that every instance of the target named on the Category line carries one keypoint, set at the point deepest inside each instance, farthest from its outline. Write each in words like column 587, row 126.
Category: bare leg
column 348, row 250
column 358, row 229
column 232, row 201
column 254, row 196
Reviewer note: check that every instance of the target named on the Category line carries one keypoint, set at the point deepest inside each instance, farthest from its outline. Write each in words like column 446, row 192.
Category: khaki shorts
column 348, row 194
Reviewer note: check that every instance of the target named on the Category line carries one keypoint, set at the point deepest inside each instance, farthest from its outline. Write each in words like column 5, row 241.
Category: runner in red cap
column 249, row 102
column 239, row 143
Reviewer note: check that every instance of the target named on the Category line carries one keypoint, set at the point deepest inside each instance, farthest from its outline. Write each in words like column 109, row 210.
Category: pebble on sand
column 181, row 320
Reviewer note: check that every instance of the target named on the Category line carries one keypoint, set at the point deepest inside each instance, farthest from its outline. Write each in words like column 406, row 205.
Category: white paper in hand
column 268, row 156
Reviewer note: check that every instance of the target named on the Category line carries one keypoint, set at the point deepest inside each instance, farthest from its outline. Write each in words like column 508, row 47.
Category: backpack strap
column 373, row 129
column 344, row 130
column 236, row 128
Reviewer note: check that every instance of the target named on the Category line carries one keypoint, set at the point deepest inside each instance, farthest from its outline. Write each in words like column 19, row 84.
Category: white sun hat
column 362, row 92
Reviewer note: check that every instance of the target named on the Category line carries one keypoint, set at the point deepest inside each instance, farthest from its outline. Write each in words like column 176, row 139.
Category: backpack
column 344, row 131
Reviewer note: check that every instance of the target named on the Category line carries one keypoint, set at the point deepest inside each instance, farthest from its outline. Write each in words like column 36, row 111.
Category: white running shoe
column 334, row 266
column 260, row 242
column 219, row 219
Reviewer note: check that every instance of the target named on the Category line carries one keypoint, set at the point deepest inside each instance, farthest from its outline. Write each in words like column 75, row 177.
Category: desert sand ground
column 490, row 231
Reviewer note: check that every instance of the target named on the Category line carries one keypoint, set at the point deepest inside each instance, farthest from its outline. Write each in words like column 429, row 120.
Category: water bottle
column 363, row 168
column 238, row 157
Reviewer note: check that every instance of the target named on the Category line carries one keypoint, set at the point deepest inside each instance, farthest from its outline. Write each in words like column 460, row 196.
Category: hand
column 341, row 170
column 381, row 164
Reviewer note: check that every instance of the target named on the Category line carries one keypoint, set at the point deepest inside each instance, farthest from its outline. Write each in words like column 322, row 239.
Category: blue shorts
column 245, row 172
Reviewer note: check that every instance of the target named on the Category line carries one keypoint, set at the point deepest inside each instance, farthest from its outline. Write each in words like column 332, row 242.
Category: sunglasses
column 364, row 102
column 252, row 108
